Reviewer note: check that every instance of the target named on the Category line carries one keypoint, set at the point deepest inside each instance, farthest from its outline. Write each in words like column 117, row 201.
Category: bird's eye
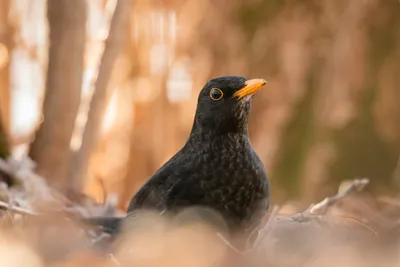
column 216, row 94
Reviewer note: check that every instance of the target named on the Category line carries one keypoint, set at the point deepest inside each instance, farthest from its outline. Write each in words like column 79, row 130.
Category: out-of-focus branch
column 4, row 146
column 16, row 209
column 98, row 104
column 322, row 207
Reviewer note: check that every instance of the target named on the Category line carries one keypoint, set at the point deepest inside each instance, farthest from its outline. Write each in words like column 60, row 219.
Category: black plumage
column 217, row 167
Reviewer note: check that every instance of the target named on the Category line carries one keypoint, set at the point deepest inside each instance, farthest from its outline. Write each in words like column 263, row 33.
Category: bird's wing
column 174, row 185
column 199, row 200
column 185, row 192
column 152, row 194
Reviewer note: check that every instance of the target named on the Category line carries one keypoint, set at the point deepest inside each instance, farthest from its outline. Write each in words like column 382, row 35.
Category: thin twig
column 322, row 207
column 262, row 232
column 230, row 245
column 18, row 210
column 389, row 201
column 113, row 259
column 112, row 47
column 103, row 190
column 358, row 222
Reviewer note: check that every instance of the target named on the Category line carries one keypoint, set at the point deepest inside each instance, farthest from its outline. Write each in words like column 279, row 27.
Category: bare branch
column 98, row 104
column 226, row 242
column 114, row 260
column 322, row 207
column 18, row 210
column 263, row 231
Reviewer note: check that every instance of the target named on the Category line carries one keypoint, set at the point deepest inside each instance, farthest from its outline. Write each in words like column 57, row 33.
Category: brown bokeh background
column 328, row 113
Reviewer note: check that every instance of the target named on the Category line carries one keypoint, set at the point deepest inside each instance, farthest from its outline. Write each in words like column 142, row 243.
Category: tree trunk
column 98, row 105
column 51, row 148
column 4, row 148
column 5, row 44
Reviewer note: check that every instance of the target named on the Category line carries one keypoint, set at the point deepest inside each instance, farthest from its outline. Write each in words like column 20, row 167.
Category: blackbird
column 217, row 168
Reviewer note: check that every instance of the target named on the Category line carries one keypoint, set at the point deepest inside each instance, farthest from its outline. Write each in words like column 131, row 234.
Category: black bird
column 217, row 167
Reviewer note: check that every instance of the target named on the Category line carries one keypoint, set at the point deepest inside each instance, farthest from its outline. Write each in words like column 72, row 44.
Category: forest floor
column 41, row 227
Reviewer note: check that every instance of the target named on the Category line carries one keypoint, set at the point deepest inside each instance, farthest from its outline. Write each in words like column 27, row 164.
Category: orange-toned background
column 329, row 111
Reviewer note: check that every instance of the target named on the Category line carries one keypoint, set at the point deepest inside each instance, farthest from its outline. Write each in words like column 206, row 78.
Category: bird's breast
column 231, row 179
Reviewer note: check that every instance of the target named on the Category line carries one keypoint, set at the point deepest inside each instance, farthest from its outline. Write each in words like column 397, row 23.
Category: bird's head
column 224, row 104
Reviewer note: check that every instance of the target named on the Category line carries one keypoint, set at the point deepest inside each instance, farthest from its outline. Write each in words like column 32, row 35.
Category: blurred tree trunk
column 51, row 147
column 101, row 95
column 5, row 49
column 5, row 152
column 4, row 147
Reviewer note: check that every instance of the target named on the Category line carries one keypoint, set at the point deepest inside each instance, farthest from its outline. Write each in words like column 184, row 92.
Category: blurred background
column 100, row 93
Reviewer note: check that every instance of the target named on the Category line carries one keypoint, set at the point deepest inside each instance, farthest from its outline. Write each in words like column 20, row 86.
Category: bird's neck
column 201, row 133
column 224, row 127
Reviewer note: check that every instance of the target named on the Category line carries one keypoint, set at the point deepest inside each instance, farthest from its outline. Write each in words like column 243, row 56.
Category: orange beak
column 250, row 88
